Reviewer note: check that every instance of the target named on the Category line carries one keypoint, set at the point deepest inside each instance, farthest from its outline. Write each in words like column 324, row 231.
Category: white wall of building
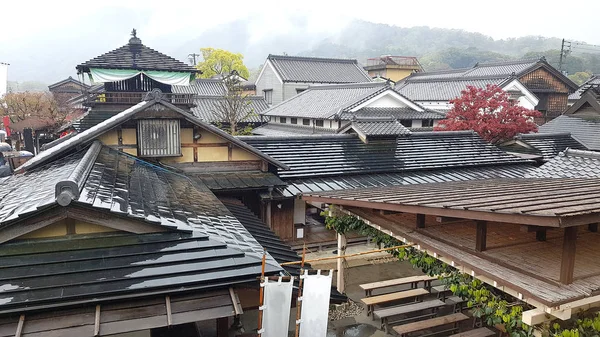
column 299, row 211
column 3, row 78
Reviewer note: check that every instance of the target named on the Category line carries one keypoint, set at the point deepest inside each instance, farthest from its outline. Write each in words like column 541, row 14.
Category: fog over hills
column 55, row 59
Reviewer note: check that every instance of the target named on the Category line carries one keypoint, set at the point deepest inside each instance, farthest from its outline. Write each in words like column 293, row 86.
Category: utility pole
column 192, row 58
column 563, row 53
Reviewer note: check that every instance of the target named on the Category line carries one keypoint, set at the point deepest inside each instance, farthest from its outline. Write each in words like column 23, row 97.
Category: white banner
column 316, row 290
column 277, row 303
column 3, row 78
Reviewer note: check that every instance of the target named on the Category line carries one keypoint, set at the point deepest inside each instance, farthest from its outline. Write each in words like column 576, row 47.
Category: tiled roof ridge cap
column 348, row 85
column 311, row 58
column 460, row 77
column 300, row 137
column 443, row 133
column 509, row 62
column 569, row 152
column 69, row 189
column 542, row 135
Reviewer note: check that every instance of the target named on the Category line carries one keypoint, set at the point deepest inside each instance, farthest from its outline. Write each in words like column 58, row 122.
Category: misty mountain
column 436, row 48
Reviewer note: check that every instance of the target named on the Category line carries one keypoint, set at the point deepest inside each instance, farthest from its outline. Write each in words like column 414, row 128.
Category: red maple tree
column 489, row 112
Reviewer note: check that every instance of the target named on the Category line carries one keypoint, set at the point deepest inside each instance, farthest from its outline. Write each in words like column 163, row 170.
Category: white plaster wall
column 386, row 101
column 299, row 211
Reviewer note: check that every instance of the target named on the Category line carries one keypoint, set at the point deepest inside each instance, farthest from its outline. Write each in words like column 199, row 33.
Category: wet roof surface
column 585, row 131
column 220, row 181
column 321, row 156
column 570, row 164
column 318, row 70
column 56, row 272
column 549, row 145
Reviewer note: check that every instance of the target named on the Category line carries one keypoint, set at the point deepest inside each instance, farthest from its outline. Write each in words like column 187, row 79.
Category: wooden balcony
column 132, row 98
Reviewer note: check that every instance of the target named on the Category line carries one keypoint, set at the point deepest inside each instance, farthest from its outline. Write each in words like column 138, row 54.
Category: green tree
column 580, row 77
column 221, row 62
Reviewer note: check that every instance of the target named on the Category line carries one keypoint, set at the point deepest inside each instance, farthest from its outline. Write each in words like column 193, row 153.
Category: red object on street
column 6, row 121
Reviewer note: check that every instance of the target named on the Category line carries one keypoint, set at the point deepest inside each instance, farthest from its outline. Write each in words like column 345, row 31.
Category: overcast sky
column 33, row 21
column 38, row 33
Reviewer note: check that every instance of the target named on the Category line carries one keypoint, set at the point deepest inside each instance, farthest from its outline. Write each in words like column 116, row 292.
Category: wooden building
column 534, row 83
column 394, row 68
column 532, row 238
column 350, row 161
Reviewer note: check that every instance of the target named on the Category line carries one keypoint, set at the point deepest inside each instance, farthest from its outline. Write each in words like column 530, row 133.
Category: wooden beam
column 70, row 226
column 535, row 220
column 32, row 223
column 481, row 236
column 567, row 265
column 223, row 327
column 540, row 235
column 236, row 302
column 20, row 326
column 97, row 321
column 169, row 316
column 420, row 220
column 204, row 144
column 593, row 227
column 111, row 220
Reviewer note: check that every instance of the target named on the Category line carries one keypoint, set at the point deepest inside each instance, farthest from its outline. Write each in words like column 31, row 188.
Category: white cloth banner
column 113, row 75
column 315, row 305
column 277, row 302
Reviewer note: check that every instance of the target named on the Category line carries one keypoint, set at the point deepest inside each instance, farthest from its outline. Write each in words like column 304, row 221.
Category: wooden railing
column 132, row 98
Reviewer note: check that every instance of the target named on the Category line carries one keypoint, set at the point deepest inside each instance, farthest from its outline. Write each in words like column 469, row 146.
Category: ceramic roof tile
column 207, row 106
column 379, row 128
column 594, row 80
column 279, row 129
column 202, row 87
column 394, row 113
column 318, row 70
column 327, row 100
column 442, row 90
column 570, row 164
column 585, row 131
column 321, row 155
column 549, row 145
column 135, row 56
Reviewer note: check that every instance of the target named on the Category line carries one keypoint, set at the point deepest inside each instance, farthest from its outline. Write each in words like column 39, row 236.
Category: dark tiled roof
column 135, row 56
column 202, row 87
column 373, row 128
column 585, row 131
column 594, row 80
column 221, row 181
column 318, row 70
column 280, row 251
column 59, row 272
column 442, row 90
column 327, row 100
column 446, row 85
column 276, row 129
column 91, row 118
column 206, row 107
column 570, row 164
column 69, row 80
column 544, row 145
column 395, row 113
column 321, row 156
column 298, row 186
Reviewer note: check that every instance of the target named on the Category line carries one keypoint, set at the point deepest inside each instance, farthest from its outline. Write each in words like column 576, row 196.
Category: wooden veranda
column 532, row 238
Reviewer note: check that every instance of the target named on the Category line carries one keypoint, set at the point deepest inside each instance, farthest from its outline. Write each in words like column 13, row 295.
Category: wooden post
column 261, row 300
column 223, row 327
column 341, row 251
column 540, row 235
column 97, row 321
column 481, row 236
column 420, row 220
column 20, row 326
column 269, row 215
column 593, row 227
column 298, row 301
column 567, row 265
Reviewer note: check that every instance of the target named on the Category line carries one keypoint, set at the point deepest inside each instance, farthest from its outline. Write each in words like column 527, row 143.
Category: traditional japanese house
column 115, row 229
column 391, row 67
column 574, row 97
column 371, row 156
column 327, row 109
column 540, row 146
column 283, row 77
column 588, row 105
column 570, row 163
column 533, row 83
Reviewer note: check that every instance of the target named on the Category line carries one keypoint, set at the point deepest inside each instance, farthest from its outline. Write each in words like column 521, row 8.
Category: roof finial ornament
column 134, row 39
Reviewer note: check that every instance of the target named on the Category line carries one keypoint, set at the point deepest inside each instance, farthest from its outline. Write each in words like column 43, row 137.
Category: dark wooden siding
column 552, row 92
column 282, row 219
